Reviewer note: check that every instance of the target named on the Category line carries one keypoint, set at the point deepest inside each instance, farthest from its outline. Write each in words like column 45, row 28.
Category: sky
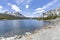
column 30, row 8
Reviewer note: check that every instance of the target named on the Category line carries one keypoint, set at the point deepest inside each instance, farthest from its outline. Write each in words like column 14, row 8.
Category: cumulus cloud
column 39, row 10
column 27, row 6
column 1, row 7
column 14, row 7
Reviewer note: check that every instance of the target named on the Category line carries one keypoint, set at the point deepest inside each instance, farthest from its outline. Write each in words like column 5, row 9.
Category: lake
column 18, row 27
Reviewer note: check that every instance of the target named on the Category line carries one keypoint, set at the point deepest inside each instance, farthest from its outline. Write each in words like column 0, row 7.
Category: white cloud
column 49, row 4
column 39, row 10
column 27, row 6
column 9, row 4
column 14, row 7
column 23, row 1
column 1, row 7
column 19, row 1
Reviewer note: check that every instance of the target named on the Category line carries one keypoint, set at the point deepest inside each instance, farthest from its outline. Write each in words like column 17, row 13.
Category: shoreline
column 30, row 36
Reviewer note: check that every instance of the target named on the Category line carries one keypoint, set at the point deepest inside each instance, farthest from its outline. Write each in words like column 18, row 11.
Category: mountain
column 11, row 15
column 52, row 12
column 18, row 14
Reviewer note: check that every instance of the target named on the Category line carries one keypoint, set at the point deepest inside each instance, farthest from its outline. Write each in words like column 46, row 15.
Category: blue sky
column 29, row 7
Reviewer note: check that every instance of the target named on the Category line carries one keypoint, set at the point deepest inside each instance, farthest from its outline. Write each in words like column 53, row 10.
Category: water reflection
column 17, row 27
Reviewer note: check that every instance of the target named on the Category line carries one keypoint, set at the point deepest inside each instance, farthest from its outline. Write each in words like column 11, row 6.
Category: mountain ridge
column 10, row 15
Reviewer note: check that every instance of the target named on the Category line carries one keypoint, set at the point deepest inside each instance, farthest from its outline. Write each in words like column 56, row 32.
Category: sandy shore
column 50, row 32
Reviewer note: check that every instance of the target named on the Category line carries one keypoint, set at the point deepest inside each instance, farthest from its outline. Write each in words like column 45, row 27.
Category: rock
column 28, row 33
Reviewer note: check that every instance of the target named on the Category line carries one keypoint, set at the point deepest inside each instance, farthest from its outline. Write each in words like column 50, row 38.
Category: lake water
column 17, row 27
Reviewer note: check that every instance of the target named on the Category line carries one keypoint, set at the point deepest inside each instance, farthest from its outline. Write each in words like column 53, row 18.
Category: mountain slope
column 52, row 12
column 7, row 15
